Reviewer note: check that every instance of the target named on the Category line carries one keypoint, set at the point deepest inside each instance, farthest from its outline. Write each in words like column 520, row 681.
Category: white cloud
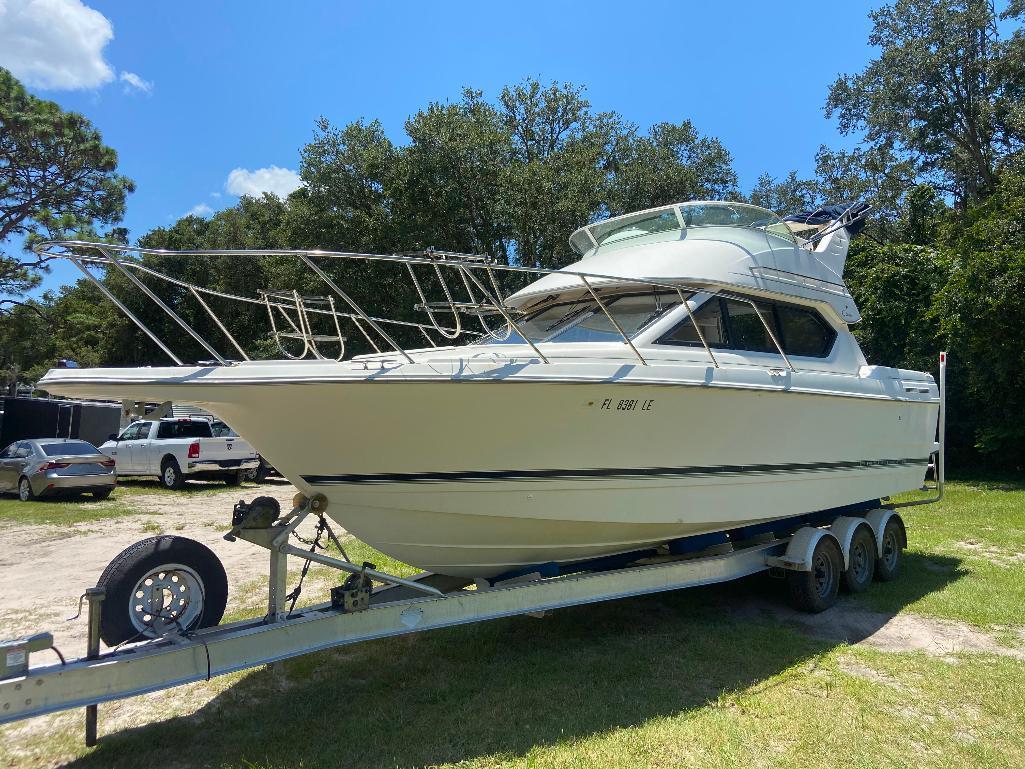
column 200, row 209
column 135, row 83
column 279, row 181
column 56, row 44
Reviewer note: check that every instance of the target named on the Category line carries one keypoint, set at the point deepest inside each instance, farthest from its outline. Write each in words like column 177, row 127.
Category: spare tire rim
column 170, row 597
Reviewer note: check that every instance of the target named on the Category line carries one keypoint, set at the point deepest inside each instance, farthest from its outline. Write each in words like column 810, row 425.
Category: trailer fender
column 878, row 519
column 798, row 556
column 843, row 529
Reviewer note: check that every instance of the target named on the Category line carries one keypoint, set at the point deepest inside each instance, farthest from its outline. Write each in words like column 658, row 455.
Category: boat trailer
column 423, row 602
column 816, row 553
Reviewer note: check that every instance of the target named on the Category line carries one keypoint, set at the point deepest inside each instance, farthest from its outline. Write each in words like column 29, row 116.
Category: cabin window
column 805, row 333
column 746, row 329
column 733, row 324
column 584, row 321
column 712, row 322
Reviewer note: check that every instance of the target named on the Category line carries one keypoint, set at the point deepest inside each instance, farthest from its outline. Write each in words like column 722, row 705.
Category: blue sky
column 187, row 93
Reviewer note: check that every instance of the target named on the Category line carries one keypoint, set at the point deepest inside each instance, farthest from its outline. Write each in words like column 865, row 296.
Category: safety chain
column 314, row 544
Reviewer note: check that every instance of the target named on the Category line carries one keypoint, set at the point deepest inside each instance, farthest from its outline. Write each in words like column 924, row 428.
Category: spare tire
column 160, row 586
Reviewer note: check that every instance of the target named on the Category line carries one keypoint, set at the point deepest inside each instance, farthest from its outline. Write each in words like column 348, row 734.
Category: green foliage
column 982, row 315
column 964, row 294
column 786, row 196
column 57, row 178
column 942, row 100
column 895, row 287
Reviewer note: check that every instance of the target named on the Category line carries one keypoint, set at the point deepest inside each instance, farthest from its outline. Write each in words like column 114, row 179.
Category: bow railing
column 461, row 296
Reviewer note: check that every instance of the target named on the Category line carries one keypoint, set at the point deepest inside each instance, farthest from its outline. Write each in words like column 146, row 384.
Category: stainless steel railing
column 468, row 284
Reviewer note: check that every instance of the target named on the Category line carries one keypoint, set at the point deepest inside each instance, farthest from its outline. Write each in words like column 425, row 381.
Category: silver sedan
column 53, row 466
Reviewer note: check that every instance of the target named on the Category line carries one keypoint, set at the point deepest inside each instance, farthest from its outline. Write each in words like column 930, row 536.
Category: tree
column 942, row 103
column 450, row 178
column 786, row 196
column 57, row 178
column 671, row 164
column 562, row 157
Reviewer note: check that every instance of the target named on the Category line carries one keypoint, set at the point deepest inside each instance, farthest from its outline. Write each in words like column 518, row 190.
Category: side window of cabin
column 747, row 331
column 712, row 322
column 735, row 325
column 804, row 332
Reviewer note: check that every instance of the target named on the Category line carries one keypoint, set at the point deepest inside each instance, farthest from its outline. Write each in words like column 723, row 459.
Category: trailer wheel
column 171, row 474
column 889, row 563
column 862, row 566
column 161, row 585
column 816, row 590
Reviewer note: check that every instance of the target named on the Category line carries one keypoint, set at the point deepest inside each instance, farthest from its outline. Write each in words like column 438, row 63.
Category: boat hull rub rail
column 230, row 648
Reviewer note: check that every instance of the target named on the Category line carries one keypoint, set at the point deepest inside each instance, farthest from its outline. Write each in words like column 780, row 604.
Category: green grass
column 81, row 509
column 693, row 678
column 62, row 512
column 965, row 558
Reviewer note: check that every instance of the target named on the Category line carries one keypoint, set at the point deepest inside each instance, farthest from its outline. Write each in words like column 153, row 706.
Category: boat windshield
column 678, row 218
column 584, row 321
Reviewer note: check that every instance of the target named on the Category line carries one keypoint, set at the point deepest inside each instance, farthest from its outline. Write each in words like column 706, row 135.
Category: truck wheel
column 171, row 474
column 862, row 566
column 161, row 585
column 889, row 563
column 236, row 478
column 262, row 471
column 816, row 590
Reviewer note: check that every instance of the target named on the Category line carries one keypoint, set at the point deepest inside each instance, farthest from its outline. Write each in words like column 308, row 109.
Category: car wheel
column 171, row 474
column 25, row 493
column 102, row 494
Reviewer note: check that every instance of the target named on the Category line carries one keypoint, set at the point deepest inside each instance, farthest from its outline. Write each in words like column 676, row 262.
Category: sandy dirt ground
column 44, row 569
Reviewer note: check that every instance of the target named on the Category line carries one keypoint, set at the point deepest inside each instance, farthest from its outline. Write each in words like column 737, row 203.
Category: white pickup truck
column 178, row 449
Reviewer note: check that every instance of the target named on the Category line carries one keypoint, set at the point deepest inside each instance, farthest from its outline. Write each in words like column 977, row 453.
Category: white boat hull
column 478, row 478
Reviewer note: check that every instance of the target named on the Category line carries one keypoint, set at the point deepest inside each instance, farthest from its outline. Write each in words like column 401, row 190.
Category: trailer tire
column 816, row 590
column 175, row 570
column 892, row 551
column 862, row 566
column 171, row 474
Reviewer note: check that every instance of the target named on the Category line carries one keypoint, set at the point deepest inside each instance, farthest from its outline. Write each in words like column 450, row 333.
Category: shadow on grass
column 505, row 687
column 989, row 480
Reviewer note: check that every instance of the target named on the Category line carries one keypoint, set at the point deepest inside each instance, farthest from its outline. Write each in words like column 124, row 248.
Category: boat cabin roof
column 674, row 219
column 713, row 244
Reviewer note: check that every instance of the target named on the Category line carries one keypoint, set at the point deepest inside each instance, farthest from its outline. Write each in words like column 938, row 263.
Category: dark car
column 52, row 466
